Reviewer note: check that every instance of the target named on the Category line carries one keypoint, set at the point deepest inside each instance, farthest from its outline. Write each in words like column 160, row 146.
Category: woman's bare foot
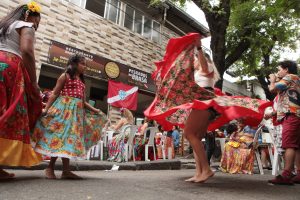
column 5, row 175
column 204, row 177
column 50, row 173
column 192, row 179
column 70, row 175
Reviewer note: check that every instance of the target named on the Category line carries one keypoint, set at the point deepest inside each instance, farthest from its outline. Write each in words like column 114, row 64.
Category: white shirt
column 204, row 81
column 12, row 41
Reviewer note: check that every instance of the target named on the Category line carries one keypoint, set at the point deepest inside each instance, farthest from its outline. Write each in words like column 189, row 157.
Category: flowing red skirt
column 177, row 92
column 20, row 106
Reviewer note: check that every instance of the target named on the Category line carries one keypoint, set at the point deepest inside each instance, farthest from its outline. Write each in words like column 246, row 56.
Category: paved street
column 146, row 185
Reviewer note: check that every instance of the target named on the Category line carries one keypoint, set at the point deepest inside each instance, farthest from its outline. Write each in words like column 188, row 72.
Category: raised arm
column 203, row 62
column 56, row 91
column 120, row 123
column 143, row 128
column 272, row 79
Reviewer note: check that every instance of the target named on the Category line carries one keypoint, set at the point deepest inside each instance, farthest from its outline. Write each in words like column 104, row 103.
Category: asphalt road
column 143, row 185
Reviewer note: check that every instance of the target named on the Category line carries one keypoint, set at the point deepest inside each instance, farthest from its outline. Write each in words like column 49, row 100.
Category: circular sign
column 112, row 70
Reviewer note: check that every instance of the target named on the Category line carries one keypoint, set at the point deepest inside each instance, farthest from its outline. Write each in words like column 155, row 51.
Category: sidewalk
column 86, row 165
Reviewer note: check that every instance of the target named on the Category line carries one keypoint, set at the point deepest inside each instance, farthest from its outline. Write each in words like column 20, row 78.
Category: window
column 112, row 10
column 124, row 15
column 138, row 22
column 147, row 28
column 96, row 7
column 129, row 17
column 156, row 32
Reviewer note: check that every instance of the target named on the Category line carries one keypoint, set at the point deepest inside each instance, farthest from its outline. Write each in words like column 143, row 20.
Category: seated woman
column 238, row 156
column 159, row 142
column 116, row 146
column 142, row 139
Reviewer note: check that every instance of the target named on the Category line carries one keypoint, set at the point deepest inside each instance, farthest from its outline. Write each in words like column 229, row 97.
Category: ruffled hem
column 60, row 155
column 227, row 113
column 17, row 153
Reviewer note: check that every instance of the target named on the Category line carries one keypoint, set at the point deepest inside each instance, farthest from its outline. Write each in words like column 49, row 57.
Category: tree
column 246, row 34
column 272, row 25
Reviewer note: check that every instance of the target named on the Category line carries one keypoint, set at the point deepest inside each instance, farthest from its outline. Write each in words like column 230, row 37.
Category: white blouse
column 204, row 81
column 12, row 42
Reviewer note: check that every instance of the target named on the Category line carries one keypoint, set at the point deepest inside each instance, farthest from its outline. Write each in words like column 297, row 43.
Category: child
column 66, row 130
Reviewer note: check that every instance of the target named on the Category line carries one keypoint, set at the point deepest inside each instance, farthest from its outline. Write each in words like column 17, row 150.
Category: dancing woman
column 186, row 99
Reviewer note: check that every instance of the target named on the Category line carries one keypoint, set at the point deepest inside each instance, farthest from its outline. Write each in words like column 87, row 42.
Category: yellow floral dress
column 238, row 155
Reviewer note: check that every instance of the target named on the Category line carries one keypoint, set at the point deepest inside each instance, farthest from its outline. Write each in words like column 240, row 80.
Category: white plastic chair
column 95, row 152
column 153, row 131
column 129, row 144
column 222, row 143
column 268, row 140
column 255, row 145
column 107, row 137
column 276, row 131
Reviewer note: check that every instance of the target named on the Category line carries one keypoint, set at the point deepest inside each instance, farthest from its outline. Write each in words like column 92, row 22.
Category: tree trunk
column 218, row 20
column 262, row 79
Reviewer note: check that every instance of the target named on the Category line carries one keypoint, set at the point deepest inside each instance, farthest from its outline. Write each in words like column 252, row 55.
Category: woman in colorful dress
column 159, row 141
column 142, row 139
column 181, row 100
column 66, row 130
column 116, row 146
column 18, row 87
column 238, row 155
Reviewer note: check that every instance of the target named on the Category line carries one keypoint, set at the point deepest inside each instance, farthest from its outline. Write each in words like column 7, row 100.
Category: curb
column 105, row 165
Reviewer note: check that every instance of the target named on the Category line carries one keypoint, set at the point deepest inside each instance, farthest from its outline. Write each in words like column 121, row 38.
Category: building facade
column 120, row 40
column 250, row 88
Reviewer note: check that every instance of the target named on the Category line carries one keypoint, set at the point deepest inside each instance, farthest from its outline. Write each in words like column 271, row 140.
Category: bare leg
column 198, row 169
column 67, row 174
column 50, row 169
column 297, row 162
column 289, row 159
column 195, row 130
column 206, row 170
column 264, row 158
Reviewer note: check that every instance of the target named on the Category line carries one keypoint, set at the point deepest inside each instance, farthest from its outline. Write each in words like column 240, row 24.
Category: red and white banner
column 122, row 95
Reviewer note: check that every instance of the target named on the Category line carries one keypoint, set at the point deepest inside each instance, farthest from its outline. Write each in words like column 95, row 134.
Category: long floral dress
column 116, row 146
column 68, row 130
column 238, row 157
column 177, row 92
column 20, row 107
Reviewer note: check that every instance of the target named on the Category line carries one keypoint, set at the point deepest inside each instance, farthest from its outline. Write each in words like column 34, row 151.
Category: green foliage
column 269, row 25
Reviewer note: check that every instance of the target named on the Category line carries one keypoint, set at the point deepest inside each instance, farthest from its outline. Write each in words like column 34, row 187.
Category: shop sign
column 100, row 67
column 59, row 54
column 139, row 78
column 112, row 70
